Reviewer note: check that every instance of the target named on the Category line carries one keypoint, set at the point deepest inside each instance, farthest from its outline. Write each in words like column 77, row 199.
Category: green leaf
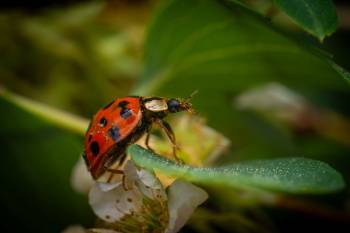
column 222, row 50
column 38, row 155
column 318, row 17
column 290, row 175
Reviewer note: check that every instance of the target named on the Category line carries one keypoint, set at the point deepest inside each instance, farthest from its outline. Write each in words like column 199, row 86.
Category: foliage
column 290, row 175
column 317, row 17
column 77, row 58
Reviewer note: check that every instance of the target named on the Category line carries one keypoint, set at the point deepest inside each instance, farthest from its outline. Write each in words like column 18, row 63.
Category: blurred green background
column 78, row 55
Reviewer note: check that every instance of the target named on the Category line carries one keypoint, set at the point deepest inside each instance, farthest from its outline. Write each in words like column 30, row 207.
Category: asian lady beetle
column 121, row 123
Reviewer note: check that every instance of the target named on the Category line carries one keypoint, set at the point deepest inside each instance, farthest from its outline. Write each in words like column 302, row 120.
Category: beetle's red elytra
column 121, row 123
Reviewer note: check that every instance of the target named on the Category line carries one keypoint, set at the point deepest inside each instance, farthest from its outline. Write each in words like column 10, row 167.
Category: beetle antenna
column 188, row 104
column 191, row 96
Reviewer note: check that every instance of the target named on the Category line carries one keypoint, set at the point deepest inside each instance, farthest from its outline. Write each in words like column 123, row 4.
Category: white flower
column 184, row 198
column 141, row 203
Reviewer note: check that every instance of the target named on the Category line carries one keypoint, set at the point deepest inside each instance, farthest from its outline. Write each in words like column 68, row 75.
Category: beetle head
column 178, row 104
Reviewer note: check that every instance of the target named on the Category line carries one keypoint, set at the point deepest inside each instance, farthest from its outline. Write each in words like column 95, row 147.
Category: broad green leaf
column 318, row 17
column 290, row 175
column 37, row 158
column 222, row 50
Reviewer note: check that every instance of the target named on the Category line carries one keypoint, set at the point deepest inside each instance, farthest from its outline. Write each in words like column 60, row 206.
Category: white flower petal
column 184, row 198
column 130, row 173
column 115, row 203
column 150, row 186
column 145, row 181
column 81, row 179
column 149, row 179
column 105, row 187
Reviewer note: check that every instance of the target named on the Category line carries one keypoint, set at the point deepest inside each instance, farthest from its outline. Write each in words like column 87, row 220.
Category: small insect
column 121, row 123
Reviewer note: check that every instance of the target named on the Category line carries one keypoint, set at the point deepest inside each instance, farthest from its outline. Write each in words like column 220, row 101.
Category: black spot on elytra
column 95, row 148
column 125, row 113
column 103, row 122
column 123, row 104
column 108, row 105
column 114, row 133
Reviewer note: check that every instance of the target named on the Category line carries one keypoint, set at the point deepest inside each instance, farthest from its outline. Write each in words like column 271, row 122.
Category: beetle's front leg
column 170, row 133
column 114, row 171
column 148, row 134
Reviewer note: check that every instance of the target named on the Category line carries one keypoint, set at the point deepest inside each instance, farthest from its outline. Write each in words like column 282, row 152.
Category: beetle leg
column 148, row 134
column 120, row 172
column 170, row 133
column 122, row 159
column 113, row 172
column 117, row 171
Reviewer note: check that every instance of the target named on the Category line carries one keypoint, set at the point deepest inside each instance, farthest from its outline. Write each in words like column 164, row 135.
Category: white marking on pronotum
column 156, row 105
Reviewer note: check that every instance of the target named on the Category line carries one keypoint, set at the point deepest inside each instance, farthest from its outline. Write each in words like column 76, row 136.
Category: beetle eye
column 173, row 105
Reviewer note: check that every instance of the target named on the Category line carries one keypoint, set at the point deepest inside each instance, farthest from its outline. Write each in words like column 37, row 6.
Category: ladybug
column 121, row 123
